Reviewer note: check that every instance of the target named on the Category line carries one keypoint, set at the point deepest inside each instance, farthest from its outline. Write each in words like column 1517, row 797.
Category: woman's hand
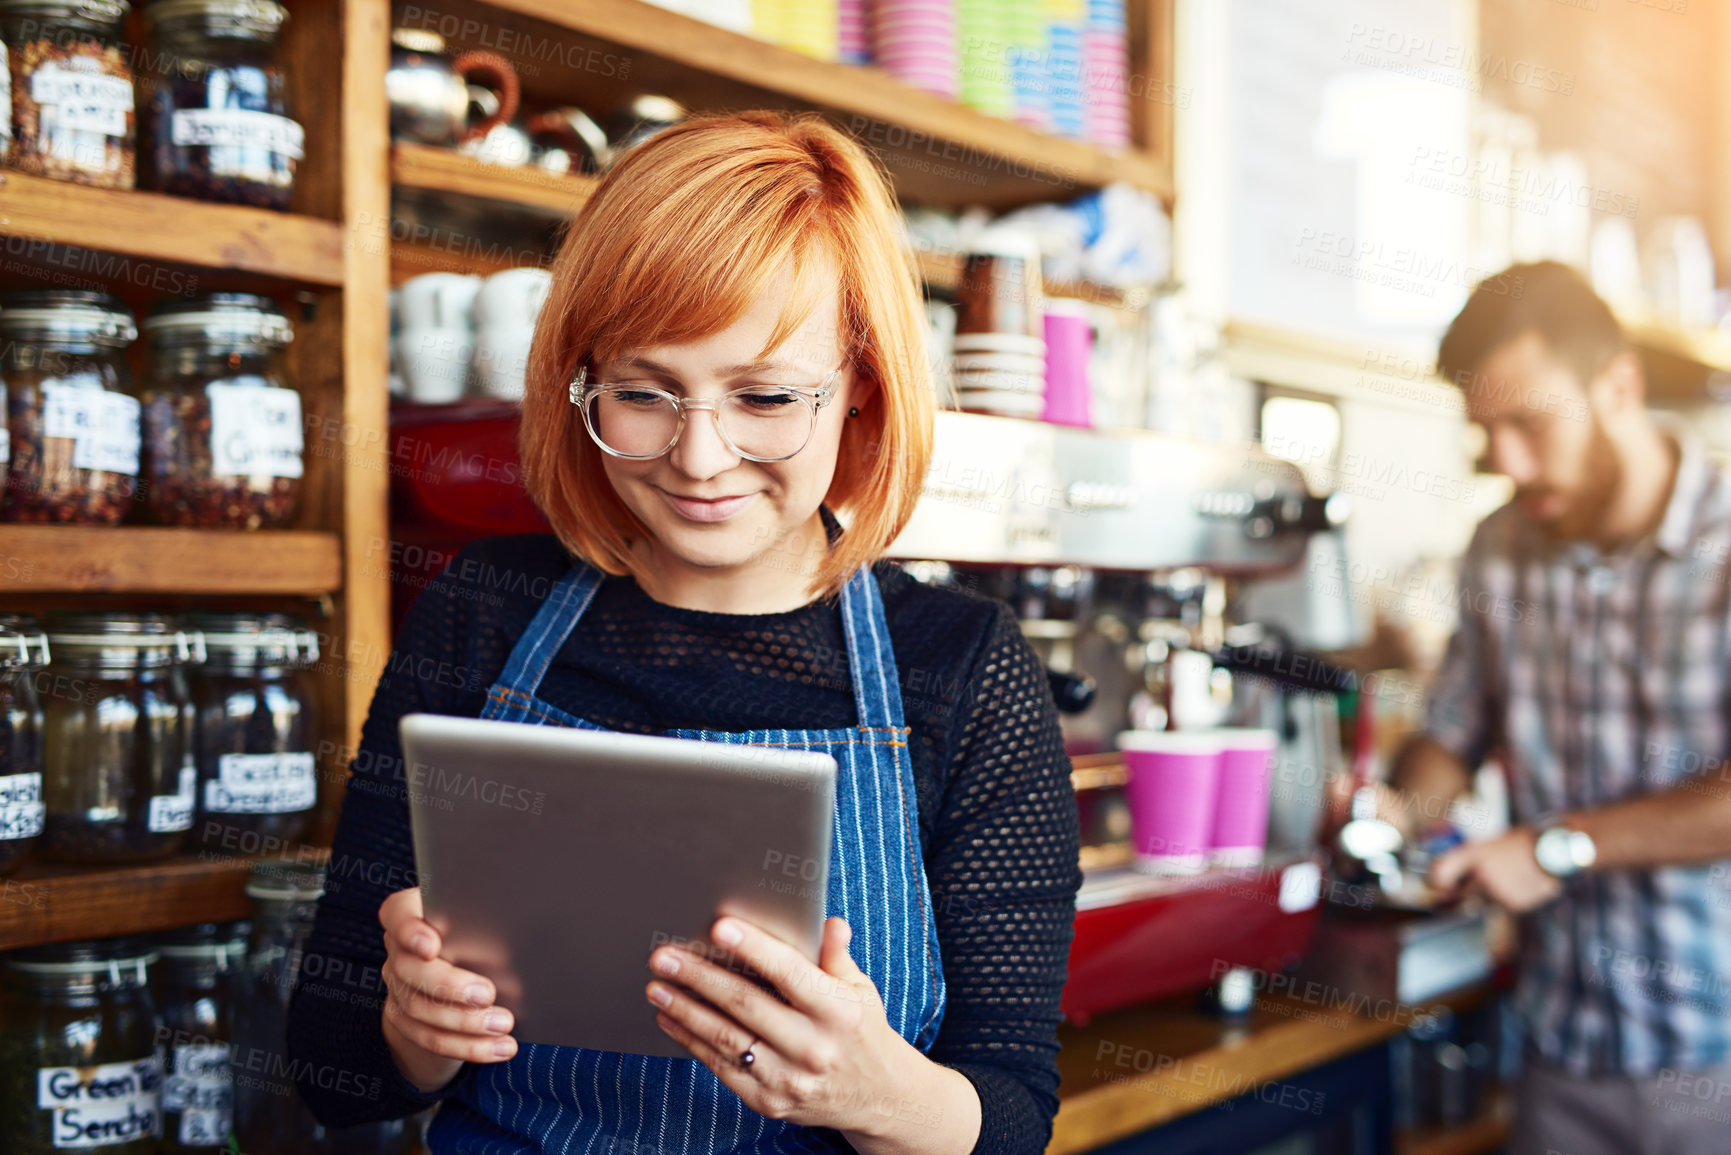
column 436, row 1016
column 825, row 1053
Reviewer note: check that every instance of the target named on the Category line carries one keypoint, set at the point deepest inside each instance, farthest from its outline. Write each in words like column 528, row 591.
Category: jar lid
column 244, row 18
column 94, row 11
column 286, row 880
column 92, row 956
column 68, row 313
column 122, row 630
column 221, row 316
column 218, row 942
column 418, row 40
column 22, row 642
column 254, row 638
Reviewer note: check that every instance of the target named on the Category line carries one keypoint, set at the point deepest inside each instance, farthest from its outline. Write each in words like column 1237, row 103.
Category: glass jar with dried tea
column 72, row 421
column 23, row 653
column 216, row 121
column 71, row 90
column 222, row 424
column 253, row 731
column 118, row 768
column 78, row 1060
column 195, row 985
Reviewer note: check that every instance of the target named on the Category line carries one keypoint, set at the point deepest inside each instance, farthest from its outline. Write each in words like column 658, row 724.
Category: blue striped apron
column 571, row 1099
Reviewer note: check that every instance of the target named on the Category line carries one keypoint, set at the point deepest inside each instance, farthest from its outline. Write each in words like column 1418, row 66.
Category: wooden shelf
column 938, row 151
column 148, row 559
column 944, row 271
column 172, row 230
column 1481, row 1136
column 446, row 170
column 52, row 902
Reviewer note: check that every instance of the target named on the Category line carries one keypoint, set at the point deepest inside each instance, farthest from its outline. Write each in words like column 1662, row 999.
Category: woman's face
column 708, row 509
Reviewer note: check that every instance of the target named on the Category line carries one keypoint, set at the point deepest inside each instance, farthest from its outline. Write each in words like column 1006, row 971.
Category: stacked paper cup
column 809, row 26
column 1000, row 346
column 915, row 41
column 1065, row 21
column 1106, row 74
column 1025, row 28
column 853, row 43
column 982, row 32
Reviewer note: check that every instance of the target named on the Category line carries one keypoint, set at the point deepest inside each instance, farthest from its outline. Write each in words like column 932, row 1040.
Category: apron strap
column 877, row 689
column 547, row 632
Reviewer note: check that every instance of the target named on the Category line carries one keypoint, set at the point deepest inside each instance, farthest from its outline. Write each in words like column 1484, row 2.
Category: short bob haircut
column 679, row 238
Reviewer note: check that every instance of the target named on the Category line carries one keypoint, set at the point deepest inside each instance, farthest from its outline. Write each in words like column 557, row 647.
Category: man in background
column 1593, row 657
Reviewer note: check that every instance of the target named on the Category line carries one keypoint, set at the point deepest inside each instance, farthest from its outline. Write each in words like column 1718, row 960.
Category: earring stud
column 853, row 410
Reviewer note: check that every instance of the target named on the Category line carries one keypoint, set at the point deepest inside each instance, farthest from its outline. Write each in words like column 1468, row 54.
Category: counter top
column 1130, row 1070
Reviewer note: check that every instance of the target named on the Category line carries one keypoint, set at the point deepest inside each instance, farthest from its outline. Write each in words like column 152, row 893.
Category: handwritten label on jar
column 201, row 1088
column 82, row 101
column 102, row 1105
column 20, row 806
column 262, row 784
column 238, row 128
column 255, row 430
column 171, row 812
column 103, row 425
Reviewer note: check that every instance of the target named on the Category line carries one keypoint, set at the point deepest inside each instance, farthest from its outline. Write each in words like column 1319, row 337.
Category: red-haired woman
column 729, row 367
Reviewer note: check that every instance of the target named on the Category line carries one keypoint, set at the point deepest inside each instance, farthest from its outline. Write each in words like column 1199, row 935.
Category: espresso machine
column 1125, row 556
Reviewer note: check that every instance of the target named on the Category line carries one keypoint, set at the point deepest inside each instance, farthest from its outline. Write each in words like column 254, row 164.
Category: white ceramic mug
column 502, row 358
column 512, row 297
column 435, row 363
column 436, row 301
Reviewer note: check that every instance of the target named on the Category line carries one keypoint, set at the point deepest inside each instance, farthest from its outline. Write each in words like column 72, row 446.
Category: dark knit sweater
column 998, row 823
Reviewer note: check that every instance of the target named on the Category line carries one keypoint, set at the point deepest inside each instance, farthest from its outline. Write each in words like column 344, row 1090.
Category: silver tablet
column 554, row 860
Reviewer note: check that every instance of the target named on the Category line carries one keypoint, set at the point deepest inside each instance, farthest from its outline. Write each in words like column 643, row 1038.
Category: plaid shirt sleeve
column 1458, row 714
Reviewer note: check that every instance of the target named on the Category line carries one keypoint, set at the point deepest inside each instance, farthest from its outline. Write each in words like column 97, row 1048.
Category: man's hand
column 1504, row 869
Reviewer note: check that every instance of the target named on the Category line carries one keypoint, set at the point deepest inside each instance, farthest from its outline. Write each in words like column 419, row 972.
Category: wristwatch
column 1563, row 852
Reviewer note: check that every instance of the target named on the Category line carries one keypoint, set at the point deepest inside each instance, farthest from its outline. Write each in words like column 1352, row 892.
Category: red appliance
column 455, row 477
column 1140, row 938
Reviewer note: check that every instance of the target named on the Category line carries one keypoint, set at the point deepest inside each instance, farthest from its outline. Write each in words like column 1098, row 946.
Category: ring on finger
column 748, row 1056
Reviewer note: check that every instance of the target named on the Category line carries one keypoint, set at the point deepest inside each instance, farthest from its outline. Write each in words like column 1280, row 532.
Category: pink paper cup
column 1240, row 834
column 1171, row 789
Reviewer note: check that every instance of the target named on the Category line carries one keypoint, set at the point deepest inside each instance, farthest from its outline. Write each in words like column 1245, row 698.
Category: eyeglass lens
column 766, row 423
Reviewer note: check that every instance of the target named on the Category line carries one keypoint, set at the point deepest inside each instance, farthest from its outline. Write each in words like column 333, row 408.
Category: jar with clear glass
column 118, row 770
column 69, row 91
column 72, row 420
column 269, row 1117
column 23, row 654
column 222, row 422
column 253, row 731
column 217, row 122
column 79, row 1065
column 194, row 986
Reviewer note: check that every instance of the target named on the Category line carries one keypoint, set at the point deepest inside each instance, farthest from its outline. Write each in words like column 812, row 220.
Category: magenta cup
column 1068, row 342
column 1241, row 797
column 1171, row 791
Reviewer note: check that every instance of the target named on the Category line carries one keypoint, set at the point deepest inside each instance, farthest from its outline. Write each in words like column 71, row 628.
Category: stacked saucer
column 1002, row 373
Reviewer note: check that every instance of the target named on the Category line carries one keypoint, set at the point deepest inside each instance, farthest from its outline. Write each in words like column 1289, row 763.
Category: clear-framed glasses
column 758, row 422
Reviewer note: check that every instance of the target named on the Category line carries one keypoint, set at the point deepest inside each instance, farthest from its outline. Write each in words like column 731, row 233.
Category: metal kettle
column 429, row 92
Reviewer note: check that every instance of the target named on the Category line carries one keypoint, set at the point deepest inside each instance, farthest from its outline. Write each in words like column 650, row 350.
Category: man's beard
column 1601, row 474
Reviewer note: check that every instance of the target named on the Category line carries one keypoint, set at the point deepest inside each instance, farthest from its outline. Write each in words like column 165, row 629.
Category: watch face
column 1552, row 851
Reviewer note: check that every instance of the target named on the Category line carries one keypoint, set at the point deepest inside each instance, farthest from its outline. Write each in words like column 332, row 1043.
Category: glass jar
column 195, row 991
column 222, row 424
column 253, row 731
column 71, row 419
column 71, row 90
column 119, row 775
column 23, row 653
column 78, row 1060
column 217, row 125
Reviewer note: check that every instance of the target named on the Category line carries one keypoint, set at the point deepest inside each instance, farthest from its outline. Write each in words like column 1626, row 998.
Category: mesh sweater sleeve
column 336, row 1042
column 1004, row 869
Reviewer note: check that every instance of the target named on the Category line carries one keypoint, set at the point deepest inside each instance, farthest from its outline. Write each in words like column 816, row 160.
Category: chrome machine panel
column 1008, row 491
